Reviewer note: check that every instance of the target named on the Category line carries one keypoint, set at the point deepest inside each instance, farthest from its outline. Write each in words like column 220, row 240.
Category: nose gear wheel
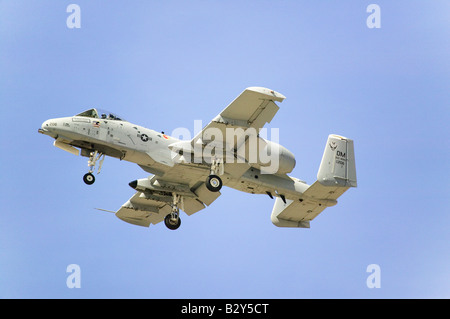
column 89, row 178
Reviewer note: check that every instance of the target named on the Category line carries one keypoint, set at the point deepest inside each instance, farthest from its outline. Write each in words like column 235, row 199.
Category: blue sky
column 164, row 64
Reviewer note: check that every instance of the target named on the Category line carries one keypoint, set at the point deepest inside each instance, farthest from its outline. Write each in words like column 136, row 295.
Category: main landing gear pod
column 213, row 181
column 173, row 220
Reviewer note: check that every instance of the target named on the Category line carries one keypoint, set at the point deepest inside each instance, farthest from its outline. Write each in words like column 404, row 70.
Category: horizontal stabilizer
column 281, row 212
column 337, row 173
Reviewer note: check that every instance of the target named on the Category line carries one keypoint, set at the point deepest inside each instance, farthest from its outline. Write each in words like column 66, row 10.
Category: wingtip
column 274, row 94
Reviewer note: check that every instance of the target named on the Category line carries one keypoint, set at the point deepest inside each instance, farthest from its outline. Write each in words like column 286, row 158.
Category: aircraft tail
column 338, row 163
column 337, row 173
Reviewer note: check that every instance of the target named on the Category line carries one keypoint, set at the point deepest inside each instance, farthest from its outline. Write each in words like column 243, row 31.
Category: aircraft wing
column 253, row 108
column 154, row 198
column 139, row 210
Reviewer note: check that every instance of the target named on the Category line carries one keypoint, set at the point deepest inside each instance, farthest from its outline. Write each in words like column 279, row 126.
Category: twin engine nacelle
column 267, row 156
column 270, row 157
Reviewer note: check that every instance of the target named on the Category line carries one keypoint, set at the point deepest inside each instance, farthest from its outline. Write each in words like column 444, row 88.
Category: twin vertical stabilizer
column 337, row 173
column 338, row 163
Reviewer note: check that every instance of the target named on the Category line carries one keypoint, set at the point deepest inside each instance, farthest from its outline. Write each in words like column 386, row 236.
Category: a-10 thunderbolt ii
column 188, row 174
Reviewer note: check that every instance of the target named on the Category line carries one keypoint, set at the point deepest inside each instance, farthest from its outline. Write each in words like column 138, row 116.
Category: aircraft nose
column 45, row 128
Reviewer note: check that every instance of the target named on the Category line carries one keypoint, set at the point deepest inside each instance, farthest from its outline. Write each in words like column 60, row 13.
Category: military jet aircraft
column 188, row 174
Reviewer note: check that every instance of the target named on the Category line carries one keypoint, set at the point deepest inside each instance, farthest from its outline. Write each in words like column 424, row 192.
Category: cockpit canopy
column 100, row 114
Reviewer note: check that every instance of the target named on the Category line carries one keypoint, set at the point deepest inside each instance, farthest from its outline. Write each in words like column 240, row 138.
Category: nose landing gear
column 89, row 178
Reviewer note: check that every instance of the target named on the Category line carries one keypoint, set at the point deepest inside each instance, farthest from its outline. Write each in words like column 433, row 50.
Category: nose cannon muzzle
column 45, row 129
